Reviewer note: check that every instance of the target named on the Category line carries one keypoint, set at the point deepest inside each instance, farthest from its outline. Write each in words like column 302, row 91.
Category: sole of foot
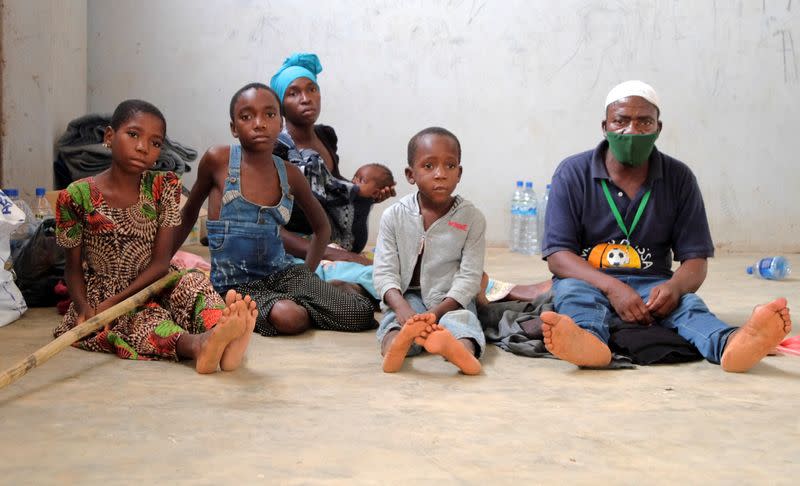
column 443, row 343
column 396, row 354
column 567, row 341
column 765, row 329
column 229, row 327
column 235, row 351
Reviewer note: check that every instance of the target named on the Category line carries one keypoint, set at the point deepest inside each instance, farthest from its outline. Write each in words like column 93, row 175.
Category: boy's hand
column 663, row 299
column 404, row 316
column 628, row 304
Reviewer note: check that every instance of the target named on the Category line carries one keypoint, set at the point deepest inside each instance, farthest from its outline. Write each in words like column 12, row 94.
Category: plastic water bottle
column 26, row 229
column 771, row 268
column 42, row 209
column 517, row 209
column 530, row 226
column 543, row 209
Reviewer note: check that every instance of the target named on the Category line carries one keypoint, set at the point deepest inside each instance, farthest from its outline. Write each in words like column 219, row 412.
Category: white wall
column 521, row 82
column 44, row 85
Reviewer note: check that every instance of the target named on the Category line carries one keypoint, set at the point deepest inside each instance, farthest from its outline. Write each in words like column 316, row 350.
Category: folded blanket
column 80, row 149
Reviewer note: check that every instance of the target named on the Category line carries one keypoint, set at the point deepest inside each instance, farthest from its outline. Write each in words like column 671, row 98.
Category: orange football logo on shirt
column 609, row 255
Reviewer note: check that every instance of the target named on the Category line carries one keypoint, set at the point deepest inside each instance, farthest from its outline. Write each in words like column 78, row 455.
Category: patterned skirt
column 151, row 331
column 329, row 307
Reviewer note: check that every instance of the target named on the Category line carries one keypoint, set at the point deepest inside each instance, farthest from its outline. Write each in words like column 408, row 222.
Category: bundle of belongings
column 80, row 152
column 516, row 327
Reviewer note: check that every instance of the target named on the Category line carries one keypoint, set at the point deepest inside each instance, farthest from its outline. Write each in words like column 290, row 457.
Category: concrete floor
column 317, row 409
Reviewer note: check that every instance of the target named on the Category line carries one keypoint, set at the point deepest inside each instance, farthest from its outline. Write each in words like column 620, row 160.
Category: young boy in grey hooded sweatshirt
column 429, row 261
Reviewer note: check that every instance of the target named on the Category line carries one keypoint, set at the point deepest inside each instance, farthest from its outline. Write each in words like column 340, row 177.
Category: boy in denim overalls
column 250, row 196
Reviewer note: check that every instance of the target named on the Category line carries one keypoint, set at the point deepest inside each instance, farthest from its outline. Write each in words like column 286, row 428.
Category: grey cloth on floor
column 81, row 149
column 515, row 327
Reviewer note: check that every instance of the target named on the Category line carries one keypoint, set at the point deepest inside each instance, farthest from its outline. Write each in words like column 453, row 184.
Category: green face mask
column 631, row 150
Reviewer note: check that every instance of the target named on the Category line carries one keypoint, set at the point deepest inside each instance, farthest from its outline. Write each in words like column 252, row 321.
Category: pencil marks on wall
column 789, row 56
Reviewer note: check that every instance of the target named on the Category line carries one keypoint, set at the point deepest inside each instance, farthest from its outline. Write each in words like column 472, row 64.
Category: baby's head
column 376, row 176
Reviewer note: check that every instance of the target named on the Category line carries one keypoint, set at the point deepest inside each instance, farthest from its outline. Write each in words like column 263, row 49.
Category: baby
column 371, row 179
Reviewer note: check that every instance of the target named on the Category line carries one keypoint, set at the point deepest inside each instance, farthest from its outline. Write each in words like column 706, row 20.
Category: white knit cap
column 633, row 88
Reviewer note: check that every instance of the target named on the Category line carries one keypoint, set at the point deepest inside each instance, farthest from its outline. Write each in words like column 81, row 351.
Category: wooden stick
column 87, row 327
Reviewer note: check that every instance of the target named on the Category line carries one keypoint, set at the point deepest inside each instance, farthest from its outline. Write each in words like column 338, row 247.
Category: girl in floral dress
column 118, row 228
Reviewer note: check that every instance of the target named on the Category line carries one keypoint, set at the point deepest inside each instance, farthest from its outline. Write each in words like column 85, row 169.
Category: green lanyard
column 618, row 216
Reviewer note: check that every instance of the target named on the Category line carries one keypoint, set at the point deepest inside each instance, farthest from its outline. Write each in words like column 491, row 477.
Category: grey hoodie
column 452, row 262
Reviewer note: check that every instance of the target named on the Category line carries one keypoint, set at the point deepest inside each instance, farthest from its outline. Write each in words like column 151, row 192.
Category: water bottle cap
column 519, row 183
column 529, row 184
column 10, row 192
column 750, row 270
column 40, row 191
column 548, row 186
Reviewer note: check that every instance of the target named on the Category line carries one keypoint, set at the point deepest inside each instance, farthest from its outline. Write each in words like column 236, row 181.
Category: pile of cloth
column 80, row 152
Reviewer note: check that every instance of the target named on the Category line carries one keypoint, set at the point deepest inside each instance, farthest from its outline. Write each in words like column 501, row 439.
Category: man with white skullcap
column 616, row 216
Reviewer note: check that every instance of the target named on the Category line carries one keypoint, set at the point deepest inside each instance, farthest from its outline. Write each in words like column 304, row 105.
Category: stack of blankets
column 80, row 152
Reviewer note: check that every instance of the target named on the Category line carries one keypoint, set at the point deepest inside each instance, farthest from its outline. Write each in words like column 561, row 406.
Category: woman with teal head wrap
column 299, row 65
column 313, row 148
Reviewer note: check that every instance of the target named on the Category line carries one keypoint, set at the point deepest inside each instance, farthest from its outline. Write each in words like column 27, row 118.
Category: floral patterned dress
column 117, row 245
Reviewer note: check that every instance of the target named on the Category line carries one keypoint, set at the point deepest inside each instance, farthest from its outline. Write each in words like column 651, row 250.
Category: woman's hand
column 384, row 193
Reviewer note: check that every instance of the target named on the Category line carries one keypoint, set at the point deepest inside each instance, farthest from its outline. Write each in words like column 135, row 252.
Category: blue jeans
column 591, row 310
column 462, row 323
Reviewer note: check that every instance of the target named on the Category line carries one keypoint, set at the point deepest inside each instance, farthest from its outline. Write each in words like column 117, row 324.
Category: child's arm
column 158, row 267
column 69, row 234
column 445, row 306
column 467, row 280
column 386, row 272
column 207, row 172
column 402, row 309
column 76, row 282
column 168, row 220
column 314, row 213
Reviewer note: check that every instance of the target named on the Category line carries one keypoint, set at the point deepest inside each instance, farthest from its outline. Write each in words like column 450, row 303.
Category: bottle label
column 5, row 205
column 764, row 267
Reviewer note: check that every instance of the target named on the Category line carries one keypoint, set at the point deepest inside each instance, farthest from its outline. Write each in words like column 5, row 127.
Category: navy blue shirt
column 579, row 218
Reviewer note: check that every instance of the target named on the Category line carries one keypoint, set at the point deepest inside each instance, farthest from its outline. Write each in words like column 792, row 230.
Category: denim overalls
column 245, row 241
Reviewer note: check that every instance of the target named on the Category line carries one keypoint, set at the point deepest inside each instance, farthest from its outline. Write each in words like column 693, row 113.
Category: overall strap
column 232, row 182
column 234, row 163
column 279, row 164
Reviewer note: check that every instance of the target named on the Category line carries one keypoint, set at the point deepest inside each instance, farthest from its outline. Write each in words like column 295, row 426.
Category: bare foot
column 443, row 343
column 229, row 327
column 423, row 334
column 234, row 353
column 396, row 354
column 528, row 293
column 765, row 329
column 567, row 341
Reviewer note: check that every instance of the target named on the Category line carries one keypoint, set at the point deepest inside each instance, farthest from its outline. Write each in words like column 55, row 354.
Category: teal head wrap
column 299, row 65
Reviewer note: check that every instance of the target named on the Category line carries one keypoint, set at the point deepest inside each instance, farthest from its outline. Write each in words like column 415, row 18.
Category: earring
column 107, row 145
